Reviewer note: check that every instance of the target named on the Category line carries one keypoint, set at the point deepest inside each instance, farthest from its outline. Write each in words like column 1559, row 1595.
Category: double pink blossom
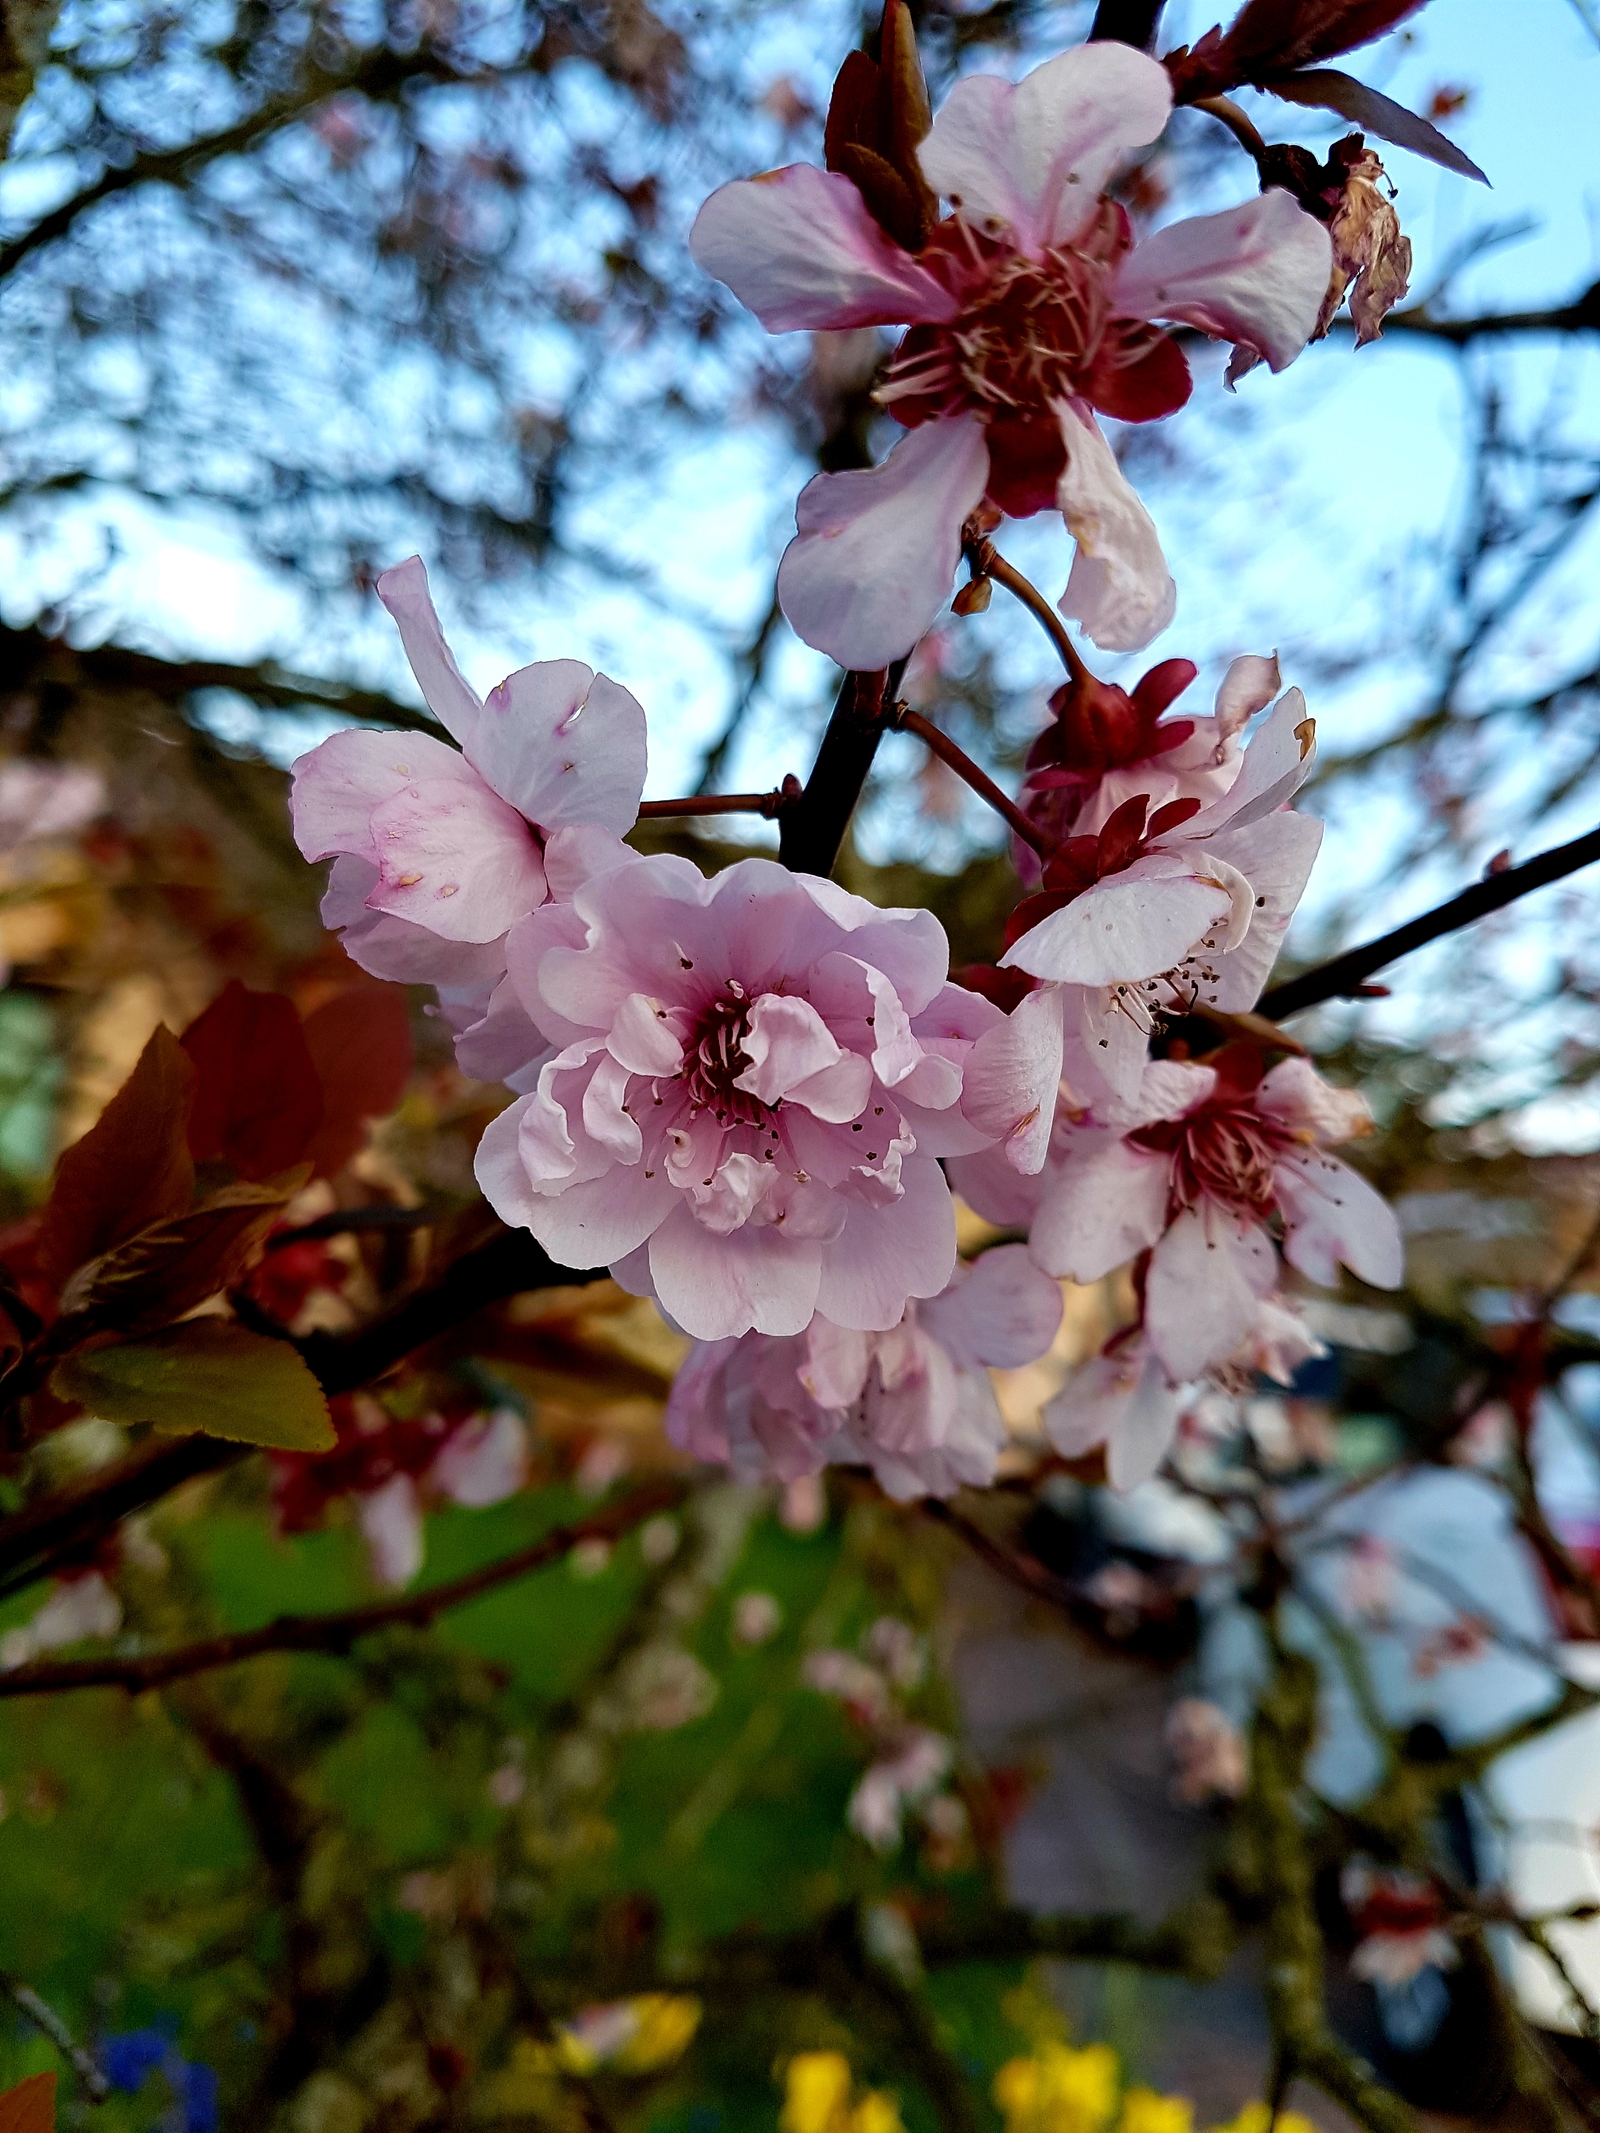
column 1030, row 310
column 438, row 851
column 750, row 1083
column 914, row 1403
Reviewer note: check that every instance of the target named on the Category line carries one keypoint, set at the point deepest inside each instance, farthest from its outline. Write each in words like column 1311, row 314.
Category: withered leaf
column 209, row 1376
column 258, row 1098
column 130, row 1169
column 162, row 1272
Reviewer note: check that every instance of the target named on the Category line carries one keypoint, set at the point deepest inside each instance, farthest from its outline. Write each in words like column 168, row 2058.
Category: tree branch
column 1343, row 977
column 335, row 1633
column 1126, row 22
column 813, row 825
column 69, row 1523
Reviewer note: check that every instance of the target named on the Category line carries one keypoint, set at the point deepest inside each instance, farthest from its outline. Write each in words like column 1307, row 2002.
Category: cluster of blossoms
column 750, row 1096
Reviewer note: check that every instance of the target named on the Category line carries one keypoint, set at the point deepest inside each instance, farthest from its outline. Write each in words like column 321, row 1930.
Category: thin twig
column 988, row 562
column 335, row 1633
column 45, row 2019
column 1225, row 109
column 768, row 804
column 906, row 720
column 1345, row 974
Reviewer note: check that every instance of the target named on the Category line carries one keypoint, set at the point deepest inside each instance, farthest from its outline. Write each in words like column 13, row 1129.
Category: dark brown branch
column 1580, row 316
column 379, row 76
column 1126, row 22
column 768, row 804
column 1342, row 978
column 813, row 824
column 336, row 1633
column 908, row 721
column 988, row 562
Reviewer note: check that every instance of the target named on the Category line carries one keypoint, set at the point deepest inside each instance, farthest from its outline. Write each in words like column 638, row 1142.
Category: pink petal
column 1255, row 274
column 1296, row 1095
column 1001, row 1314
column 876, row 552
column 575, row 855
column 1207, row 1276
column 484, row 1461
column 1035, row 155
column 786, row 1042
column 564, row 745
column 799, row 249
column 642, row 1038
column 837, row 1359
column 712, row 1286
column 1250, row 684
column 1331, row 1213
column 991, row 1188
column 456, row 859
column 395, row 949
column 1010, row 1080
column 1132, row 925
column 337, row 785
column 885, row 1254
column 391, row 1525
column 404, row 592
column 1101, row 1210
column 1120, row 588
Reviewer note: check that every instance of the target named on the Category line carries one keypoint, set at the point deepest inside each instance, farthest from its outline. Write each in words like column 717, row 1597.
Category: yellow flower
column 816, row 2099
column 1143, row 2111
column 1256, row 2117
column 816, row 2094
column 1059, row 2090
column 667, row 2023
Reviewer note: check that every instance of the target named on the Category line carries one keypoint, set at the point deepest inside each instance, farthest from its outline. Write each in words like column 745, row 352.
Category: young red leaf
column 258, row 1097
column 130, row 1169
column 30, row 2107
column 360, row 1043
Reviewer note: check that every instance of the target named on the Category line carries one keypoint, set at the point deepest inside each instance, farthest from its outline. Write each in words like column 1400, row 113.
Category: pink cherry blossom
column 437, row 851
column 1217, row 1153
column 1030, row 310
column 751, row 1082
column 914, row 1403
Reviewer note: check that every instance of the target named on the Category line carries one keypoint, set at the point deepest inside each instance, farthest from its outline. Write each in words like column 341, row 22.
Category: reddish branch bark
column 337, row 1632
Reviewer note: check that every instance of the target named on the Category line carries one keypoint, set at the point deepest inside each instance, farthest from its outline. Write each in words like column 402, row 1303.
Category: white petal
column 1250, row 684
column 799, row 249
column 1254, row 275
column 1131, row 925
column 1206, row 1278
column 876, row 552
column 1120, row 588
column 1010, row 1079
column 1331, row 1213
column 1035, row 155
column 1143, row 1434
column 564, row 745
column 1276, row 764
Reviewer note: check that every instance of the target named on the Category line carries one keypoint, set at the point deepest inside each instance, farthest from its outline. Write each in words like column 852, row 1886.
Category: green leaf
column 208, row 1375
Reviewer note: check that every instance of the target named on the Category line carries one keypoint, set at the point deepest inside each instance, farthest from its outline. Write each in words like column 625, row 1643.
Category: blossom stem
column 908, row 721
column 987, row 562
column 768, row 804
column 1344, row 977
column 1224, row 108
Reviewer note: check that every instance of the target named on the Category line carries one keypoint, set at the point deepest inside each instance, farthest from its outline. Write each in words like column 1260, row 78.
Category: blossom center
column 1225, row 1153
column 714, row 1058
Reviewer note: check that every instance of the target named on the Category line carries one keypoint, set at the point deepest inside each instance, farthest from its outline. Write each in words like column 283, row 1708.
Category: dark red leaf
column 131, row 1168
column 154, row 1277
column 258, row 1098
column 1326, row 89
column 1006, row 988
column 360, row 1044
